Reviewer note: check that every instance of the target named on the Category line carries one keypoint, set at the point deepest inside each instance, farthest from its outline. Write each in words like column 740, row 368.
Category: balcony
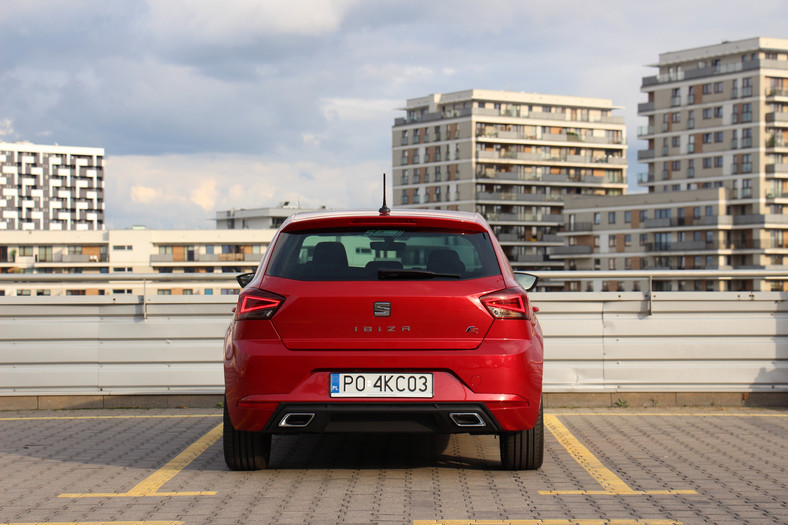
column 520, row 218
column 565, row 251
column 776, row 169
column 645, row 107
column 644, row 131
column 518, row 197
column 646, row 154
column 776, row 118
column 579, row 227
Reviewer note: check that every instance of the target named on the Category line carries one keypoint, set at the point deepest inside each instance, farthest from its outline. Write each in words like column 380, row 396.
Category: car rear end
column 363, row 322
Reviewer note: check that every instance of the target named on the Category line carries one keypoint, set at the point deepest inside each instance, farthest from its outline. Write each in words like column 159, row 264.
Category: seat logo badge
column 471, row 330
column 382, row 309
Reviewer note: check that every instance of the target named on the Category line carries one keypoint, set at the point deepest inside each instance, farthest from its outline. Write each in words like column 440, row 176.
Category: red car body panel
column 440, row 327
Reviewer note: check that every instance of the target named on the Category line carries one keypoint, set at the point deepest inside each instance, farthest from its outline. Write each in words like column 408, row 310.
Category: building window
column 643, row 215
column 718, row 87
column 662, row 213
column 746, row 163
column 746, row 112
column 611, row 241
column 746, row 87
column 718, row 162
column 707, row 89
column 404, row 177
column 718, row 112
column 611, row 217
column 611, row 264
column 628, row 240
column 706, row 113
column 643, row 239
column 628, row 217
column 746, row 138
column 707, row 162
column 597, row 218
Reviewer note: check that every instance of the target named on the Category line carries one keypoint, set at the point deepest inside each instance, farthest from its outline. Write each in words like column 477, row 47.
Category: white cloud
column 205, row 194
column 145, row 195
column 153, row 189
column 240, row 21
column 6, row 128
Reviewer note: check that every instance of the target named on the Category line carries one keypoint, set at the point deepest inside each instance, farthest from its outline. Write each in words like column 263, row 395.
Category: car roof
column 333, row 218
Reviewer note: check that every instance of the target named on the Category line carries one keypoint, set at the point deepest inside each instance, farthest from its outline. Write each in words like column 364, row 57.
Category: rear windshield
column 380, row 254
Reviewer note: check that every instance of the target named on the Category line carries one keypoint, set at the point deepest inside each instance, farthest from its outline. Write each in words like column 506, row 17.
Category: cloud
column 205, row 195
column 150, row 189
column 241, row 21
column 145, row 195
column 6, row 128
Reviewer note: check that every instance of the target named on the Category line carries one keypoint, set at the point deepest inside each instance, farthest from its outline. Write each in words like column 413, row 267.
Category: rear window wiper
column 393, row 274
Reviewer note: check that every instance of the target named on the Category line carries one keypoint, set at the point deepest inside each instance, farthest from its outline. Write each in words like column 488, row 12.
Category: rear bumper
column 500, row 383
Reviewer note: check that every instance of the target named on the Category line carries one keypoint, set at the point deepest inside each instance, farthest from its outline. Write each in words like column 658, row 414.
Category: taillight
column 507, row 304
column 257, row 304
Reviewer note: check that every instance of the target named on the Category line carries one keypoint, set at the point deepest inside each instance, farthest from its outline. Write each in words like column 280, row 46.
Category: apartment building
column 513, row 157
column 716, row 172
column 138, row 251
column 257, row 218
column 51, row 187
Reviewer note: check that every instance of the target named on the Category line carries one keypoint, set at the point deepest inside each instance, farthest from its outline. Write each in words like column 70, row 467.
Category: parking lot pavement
column 615, row 466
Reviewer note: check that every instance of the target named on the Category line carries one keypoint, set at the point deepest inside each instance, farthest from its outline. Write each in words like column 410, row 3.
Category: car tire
column 523, row 450
column 244, row 450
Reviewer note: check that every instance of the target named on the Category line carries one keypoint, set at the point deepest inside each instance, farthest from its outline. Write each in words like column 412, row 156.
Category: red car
column 403, row 321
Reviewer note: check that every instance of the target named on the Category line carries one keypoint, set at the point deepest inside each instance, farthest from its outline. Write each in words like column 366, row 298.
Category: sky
column 204, row 106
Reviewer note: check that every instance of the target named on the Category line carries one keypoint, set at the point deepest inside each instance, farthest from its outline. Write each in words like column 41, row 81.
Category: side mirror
column 526, row 280
column 244, row 279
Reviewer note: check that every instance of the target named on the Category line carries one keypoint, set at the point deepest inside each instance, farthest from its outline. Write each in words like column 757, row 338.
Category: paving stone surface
column 690, row 466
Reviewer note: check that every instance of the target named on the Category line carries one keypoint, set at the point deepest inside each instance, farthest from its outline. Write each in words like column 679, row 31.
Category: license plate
column 381, row 385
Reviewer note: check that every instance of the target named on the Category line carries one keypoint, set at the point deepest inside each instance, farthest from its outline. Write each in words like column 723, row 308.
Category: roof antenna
column 384, row 210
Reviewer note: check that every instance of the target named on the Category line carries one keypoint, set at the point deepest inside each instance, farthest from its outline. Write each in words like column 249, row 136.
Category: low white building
column 138, row 251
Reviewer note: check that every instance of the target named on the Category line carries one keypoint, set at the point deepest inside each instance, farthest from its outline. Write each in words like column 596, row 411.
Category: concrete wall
column 601, row 349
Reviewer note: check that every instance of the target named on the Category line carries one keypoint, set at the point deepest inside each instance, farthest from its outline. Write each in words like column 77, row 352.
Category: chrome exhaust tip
column 296, row 419
column 467, row 419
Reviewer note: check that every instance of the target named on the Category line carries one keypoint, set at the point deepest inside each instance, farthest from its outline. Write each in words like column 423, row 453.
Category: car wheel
column 523, row 450
column 244, row 450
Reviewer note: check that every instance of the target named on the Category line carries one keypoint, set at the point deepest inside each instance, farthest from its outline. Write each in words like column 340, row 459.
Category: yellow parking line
column 668, row 414
column 51, row 418
column 150, row 485
column 611, row 484
column 548, row 522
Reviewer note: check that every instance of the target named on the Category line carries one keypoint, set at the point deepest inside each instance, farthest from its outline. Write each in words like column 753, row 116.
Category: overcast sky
column 204, row 105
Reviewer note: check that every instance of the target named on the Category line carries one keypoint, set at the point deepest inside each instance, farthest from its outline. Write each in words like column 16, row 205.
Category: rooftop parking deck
column 613, row 466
